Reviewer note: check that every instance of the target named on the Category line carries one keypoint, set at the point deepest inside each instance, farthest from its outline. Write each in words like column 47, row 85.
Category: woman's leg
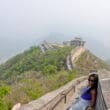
column 80, row 105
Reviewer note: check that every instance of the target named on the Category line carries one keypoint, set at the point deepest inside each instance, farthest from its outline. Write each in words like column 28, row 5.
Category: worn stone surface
column 105, row 83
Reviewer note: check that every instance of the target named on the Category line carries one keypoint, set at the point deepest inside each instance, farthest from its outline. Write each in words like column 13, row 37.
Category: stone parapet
column 56, row 100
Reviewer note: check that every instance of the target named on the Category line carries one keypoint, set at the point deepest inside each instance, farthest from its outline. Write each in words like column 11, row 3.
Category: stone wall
column 75, row 54
column 56, row 100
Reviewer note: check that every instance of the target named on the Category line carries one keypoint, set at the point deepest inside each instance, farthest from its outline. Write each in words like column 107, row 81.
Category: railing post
column 64, row 95
column 73, row 86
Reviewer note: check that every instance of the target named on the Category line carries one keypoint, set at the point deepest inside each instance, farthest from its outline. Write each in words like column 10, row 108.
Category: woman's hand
column 89, row 108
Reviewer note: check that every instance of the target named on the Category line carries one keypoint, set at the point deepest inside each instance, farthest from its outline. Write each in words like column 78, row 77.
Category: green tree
column 50, row 69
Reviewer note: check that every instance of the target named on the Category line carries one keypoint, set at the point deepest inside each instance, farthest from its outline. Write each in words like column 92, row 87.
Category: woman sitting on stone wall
column 92, row 96
column 88, row 98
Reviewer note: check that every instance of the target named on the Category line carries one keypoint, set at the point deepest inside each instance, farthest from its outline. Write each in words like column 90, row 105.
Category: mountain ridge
column 31, row 74
column 93, row 45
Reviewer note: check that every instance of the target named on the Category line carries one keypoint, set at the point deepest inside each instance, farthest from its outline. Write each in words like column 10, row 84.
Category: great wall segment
column 63, row 97
column 78, row 48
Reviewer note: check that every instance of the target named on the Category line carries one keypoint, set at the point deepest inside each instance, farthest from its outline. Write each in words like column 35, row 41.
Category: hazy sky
column 23, row 22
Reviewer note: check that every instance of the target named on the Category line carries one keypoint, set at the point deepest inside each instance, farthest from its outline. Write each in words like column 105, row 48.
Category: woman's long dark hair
column 96, row 79
column 100, row 101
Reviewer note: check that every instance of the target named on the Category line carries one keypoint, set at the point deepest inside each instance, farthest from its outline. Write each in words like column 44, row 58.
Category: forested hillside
column 88, row 61
column 31, row 74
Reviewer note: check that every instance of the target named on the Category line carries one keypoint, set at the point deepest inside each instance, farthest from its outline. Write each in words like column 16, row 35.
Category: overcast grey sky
column 24, row 21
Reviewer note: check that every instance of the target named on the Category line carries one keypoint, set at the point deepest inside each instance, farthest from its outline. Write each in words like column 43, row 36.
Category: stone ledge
column 55, row 99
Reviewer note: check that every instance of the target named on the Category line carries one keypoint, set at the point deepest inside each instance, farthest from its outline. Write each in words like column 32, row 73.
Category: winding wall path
column 73, row 56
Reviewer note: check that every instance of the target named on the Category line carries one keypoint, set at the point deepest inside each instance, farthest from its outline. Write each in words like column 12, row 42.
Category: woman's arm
column 93, row 101
column 94, row 95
